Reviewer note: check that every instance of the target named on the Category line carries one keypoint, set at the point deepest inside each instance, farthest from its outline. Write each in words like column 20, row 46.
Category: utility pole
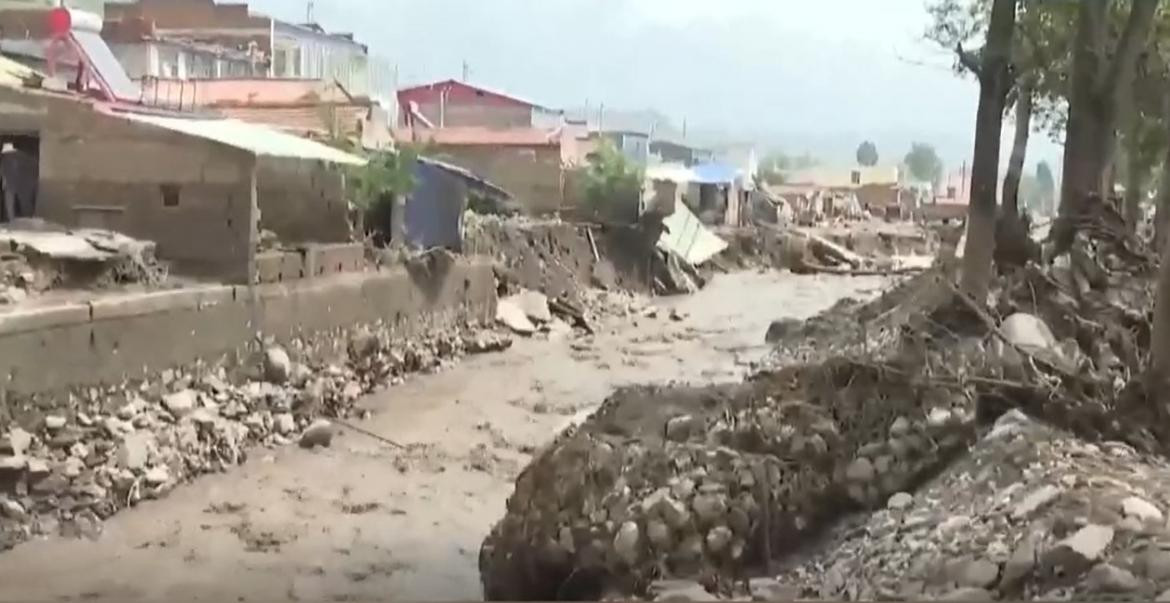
column 466, row 72
column 309, row 11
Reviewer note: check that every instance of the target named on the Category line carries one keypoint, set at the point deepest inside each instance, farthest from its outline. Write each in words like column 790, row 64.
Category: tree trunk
column 1162, row 209
column 1013, row 242
column 1015, row 167
column 1092, row 107
column 1159, row 370
column 993, row 83
column 1136, row 175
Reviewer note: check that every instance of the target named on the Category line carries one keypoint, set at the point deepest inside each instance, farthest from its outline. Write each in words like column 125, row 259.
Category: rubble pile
column 37, row 256
column 67, row 462
column 682, row 493
column 684, row 482
column 1032, row 512
column 559, row 259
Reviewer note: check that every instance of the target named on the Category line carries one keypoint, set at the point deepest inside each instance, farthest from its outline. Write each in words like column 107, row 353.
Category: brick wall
column 193, row 197
column 532, row 174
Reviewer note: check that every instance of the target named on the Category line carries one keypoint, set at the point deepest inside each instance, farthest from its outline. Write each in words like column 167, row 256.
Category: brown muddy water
column 365, row 520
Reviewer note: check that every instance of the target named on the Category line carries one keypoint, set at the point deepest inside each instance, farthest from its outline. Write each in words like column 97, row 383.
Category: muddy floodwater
column 364, row 519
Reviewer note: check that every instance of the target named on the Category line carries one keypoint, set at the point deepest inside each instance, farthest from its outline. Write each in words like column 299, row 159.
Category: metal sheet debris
column 688, row 238
column 56, row 245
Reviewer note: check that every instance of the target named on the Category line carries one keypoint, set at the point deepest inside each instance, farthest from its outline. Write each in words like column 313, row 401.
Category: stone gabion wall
column 743, row 473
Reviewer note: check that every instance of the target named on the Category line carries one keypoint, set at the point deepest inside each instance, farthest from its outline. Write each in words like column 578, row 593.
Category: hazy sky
column 816, row 75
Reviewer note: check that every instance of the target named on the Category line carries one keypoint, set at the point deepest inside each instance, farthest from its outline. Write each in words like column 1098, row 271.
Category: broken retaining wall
column 106, row 340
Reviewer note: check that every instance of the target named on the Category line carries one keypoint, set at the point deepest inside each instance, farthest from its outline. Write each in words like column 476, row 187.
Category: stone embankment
column 707, row 482
column 107, row 448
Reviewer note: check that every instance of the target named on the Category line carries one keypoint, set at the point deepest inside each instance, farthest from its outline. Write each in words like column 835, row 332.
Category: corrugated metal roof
column 714, row 173
column 259, row 140
column 686, row 236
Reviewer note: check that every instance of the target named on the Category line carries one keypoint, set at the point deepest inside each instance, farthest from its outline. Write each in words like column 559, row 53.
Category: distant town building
column 199, row 39
column 455, row 104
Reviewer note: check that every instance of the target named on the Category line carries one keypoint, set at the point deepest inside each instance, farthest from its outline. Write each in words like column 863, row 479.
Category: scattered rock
column 980, row 573
column 1106, row 578
column 277, row 365
column 534, row 305
column 680, row 590
column 285, row 424
column 1035, row 501
column 19, row 441
column 967, row 594
column 181, row 403
column 1029, row 332
column 54, row 422
column 511, row 315
column 1080, row 551
column 900, row 501
column 1020, row 565
column 626, row 542
column 860, row 470
column 679, row 428
column 1142, row 510
column 158, row 476
column 320, row 433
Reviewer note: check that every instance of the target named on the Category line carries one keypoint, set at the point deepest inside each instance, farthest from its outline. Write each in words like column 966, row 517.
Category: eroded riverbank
column 364, row 519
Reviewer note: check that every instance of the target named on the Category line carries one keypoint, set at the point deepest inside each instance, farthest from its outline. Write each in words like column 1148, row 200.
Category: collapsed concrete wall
column 193, row 197
column 104, row 341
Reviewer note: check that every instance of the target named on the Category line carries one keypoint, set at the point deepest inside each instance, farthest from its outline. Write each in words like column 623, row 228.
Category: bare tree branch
column 969, row 61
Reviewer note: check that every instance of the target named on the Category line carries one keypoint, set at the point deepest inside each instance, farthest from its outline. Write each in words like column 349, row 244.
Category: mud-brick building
column 201, row 188
column 526, row 162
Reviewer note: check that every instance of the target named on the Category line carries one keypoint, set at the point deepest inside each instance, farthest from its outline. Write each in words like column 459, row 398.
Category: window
column 170, row 195
column 950, row 192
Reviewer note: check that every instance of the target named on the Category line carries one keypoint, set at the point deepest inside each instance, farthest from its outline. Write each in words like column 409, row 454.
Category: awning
column 259, row 140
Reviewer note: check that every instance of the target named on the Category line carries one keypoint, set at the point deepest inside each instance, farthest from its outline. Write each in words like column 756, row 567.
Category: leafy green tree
column 923, row 162
column 867, row 154
column 613, row 185
column 381, row 184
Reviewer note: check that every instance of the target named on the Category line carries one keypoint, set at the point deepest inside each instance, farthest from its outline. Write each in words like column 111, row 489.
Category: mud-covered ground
column 365, row 519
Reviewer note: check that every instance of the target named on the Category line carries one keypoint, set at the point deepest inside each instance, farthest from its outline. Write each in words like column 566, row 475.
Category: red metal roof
column 459, row 92
column 479, row 136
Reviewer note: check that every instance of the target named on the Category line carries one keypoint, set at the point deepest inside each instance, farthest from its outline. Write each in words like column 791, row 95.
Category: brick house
column 456, row 104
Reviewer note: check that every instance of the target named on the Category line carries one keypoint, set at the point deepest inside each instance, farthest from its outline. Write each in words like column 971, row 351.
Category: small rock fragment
column 718, row 538
column 980, row 573
column 158, row 476
column 900, row 501
column 1080, row 551
column 54, row 422
column 320, row 433
column 182, row 402
column 625, row 543
column 1106, row 578
column 277, row 365
column 1141, row 509
column 1035, row 501
column 860, row 470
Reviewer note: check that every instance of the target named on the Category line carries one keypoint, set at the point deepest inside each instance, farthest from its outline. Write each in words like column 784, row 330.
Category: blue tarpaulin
column 714, row 173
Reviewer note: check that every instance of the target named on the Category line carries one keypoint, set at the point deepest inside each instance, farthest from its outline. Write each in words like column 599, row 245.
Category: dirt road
column 364, row 520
